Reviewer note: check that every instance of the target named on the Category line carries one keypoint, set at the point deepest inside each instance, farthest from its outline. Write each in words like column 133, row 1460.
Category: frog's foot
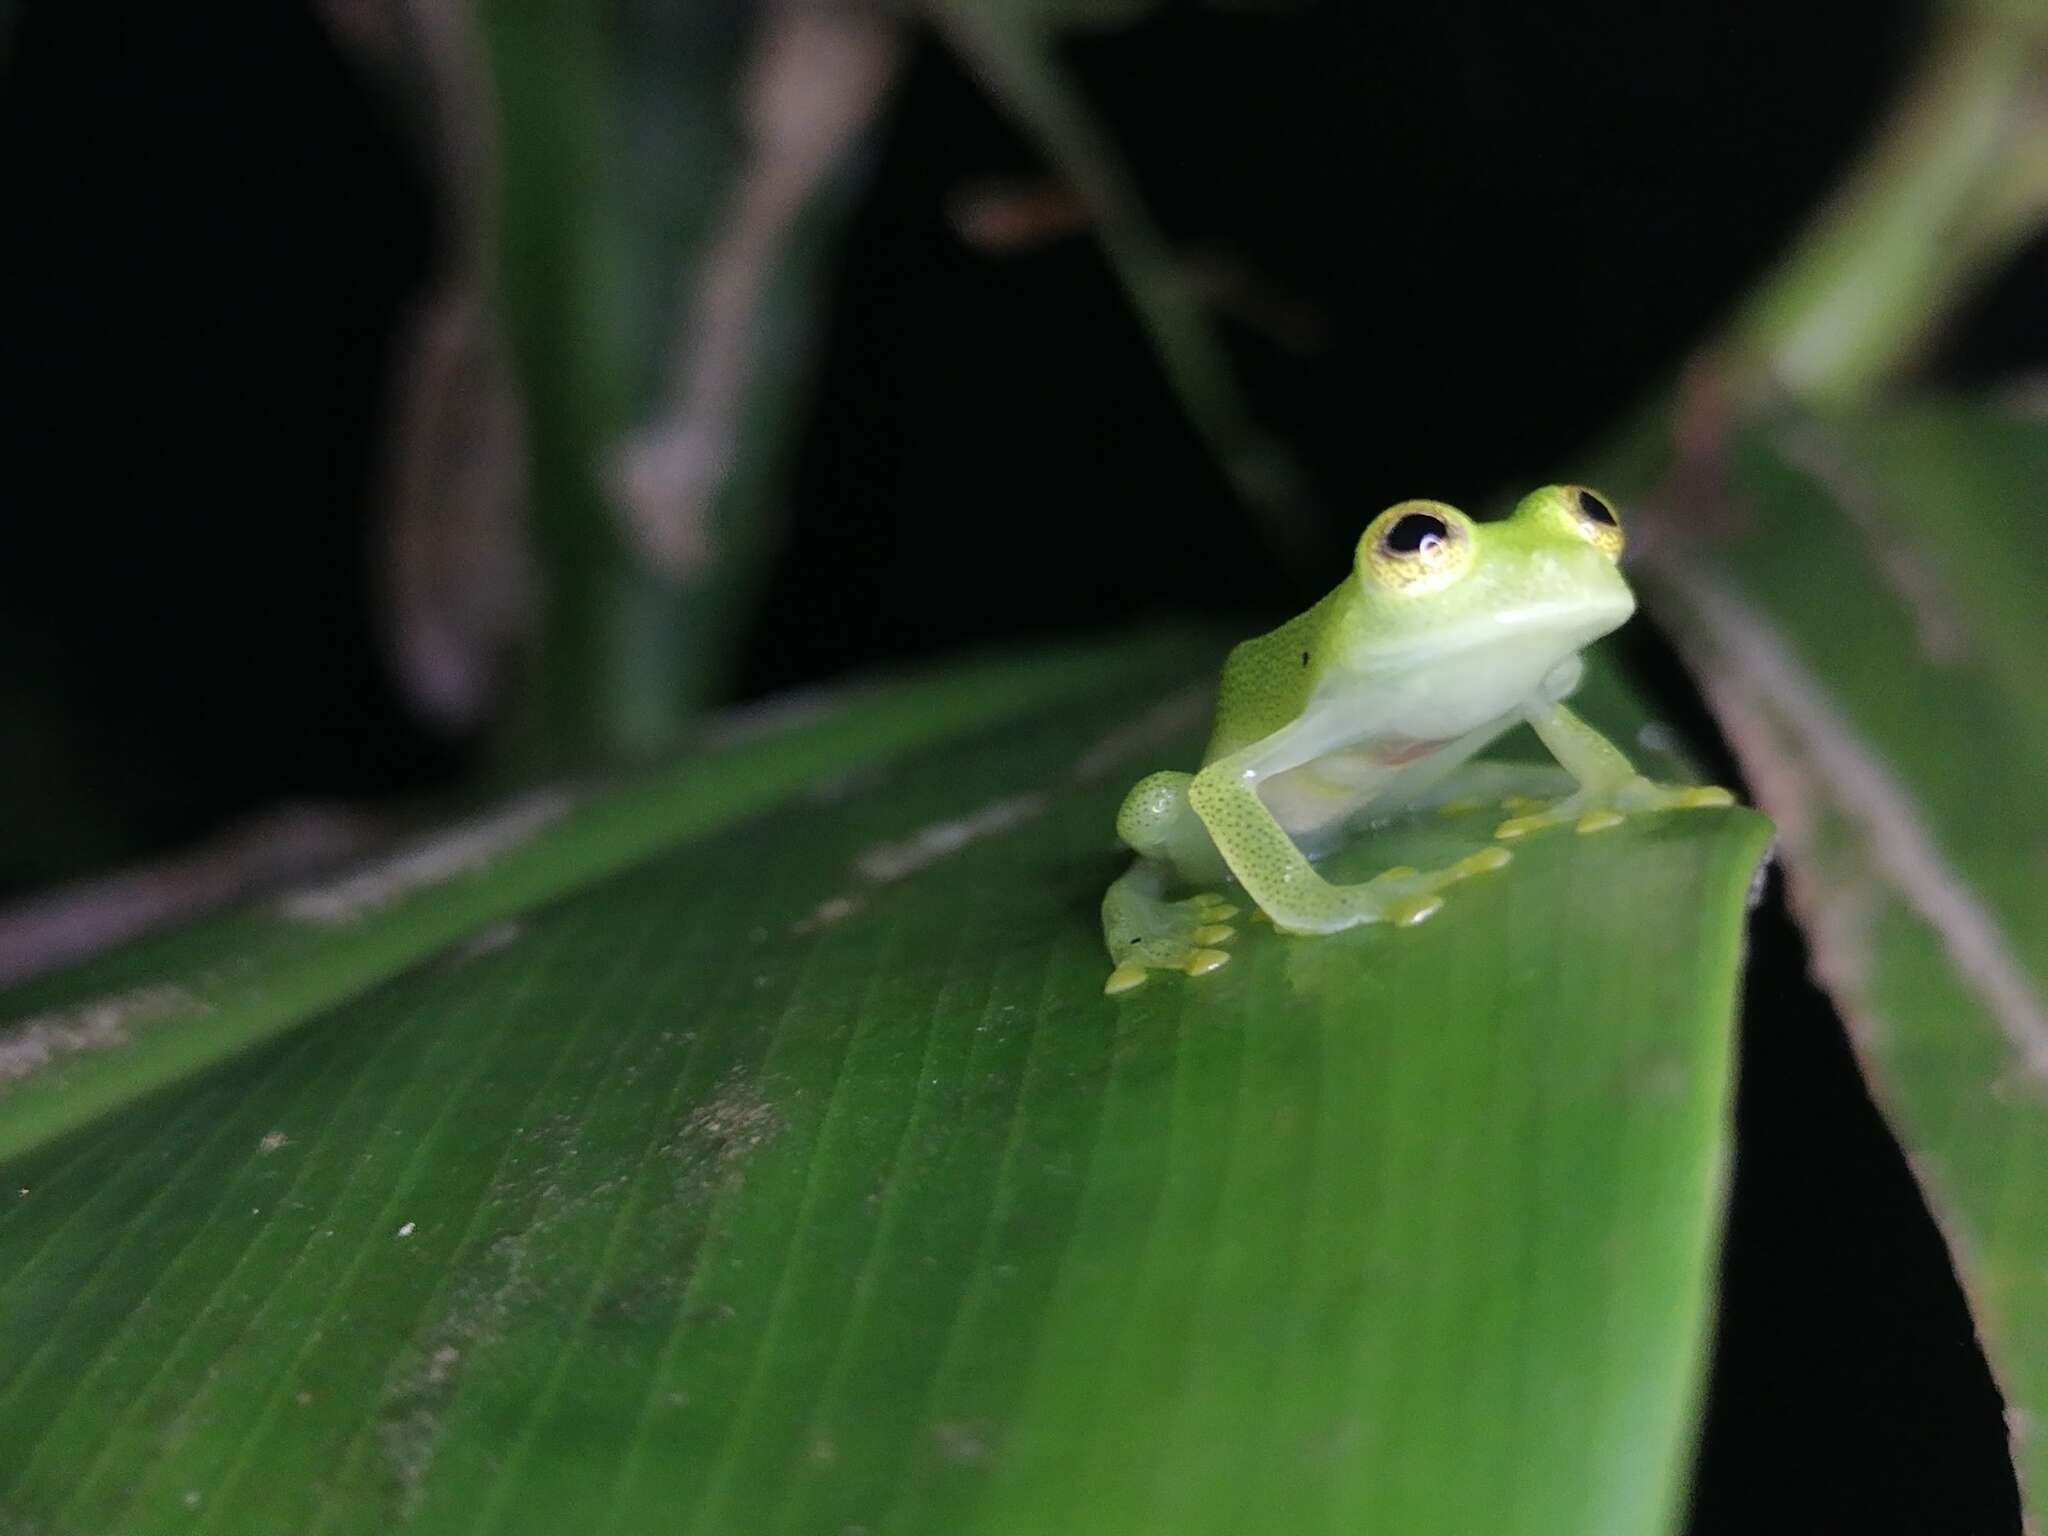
column 1596, row 811
column 1401, row 896
column 1410, row 897
column 1146, row 934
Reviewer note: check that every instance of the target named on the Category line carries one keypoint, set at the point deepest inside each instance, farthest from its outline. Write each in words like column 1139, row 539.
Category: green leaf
column 1865, row 618
column 84, row 1043
column 800, row 1177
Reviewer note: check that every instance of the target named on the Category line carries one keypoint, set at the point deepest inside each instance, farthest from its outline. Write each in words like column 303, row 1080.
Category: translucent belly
column 1318, row 800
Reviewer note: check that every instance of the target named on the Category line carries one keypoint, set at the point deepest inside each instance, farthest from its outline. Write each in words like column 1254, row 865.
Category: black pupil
column 1596, row 509
column 1416, row 531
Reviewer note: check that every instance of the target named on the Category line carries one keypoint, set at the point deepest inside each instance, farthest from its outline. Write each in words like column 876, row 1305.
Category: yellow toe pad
column 1408, row 913
column 1123, row 978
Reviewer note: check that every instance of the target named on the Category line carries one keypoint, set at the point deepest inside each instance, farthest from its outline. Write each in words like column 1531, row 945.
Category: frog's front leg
column 1609, row 787
column 1276, row 874
column 1144, row 931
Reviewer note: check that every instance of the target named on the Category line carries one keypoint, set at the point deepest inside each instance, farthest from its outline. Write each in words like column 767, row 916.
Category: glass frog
column 1446, row 633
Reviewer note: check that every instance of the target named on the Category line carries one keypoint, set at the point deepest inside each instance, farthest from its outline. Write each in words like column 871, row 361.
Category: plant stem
column 1957, row 177
column 1014, row 59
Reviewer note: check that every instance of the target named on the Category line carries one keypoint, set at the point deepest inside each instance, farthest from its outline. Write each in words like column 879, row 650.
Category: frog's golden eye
column 1597, row 520
column 1418, row 546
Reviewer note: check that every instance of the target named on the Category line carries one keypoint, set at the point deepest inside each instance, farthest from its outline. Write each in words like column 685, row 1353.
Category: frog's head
column 1544, row 580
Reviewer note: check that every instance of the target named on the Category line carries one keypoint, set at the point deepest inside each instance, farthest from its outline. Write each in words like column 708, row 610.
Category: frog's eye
column 1418, row 546
column 1419, row 533
column 1596, row 519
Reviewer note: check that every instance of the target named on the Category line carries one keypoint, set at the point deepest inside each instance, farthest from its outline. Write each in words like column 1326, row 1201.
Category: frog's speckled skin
column 1447, row 633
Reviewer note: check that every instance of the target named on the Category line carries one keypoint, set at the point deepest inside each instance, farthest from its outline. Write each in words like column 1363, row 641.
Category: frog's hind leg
column 1145, row 932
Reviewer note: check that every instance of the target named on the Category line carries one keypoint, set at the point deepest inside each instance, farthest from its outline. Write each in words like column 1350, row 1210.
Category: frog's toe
column 1484, row 861
column 1410, row 910
column 1404, row 896
column 1588, row 813
column 1168, row 936
column 1125, row 977
column 1535, row 821
column 1700, row 797
column 1641, row 795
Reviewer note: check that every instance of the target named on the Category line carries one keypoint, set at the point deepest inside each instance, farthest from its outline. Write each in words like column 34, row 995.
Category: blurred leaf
column 83, row 1043
column 801, row 1178
column 454, row 557
column 68, row 922
column 1864, row 610
column 672, row 194
column 1954, row 180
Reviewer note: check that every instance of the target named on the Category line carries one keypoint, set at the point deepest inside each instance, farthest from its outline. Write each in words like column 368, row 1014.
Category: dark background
column 1500, row 223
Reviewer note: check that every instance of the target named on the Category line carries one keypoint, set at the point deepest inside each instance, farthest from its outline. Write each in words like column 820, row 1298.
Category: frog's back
column 1267, row 682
